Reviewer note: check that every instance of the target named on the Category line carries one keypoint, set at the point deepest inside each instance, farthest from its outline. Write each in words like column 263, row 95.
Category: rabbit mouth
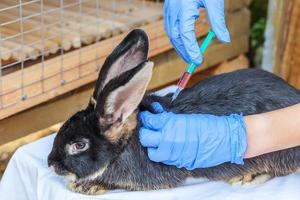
column 59, row 170
column 62, row 172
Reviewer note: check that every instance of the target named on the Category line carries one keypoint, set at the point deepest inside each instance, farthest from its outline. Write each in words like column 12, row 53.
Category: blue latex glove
column 179, row 20
column 193, row 140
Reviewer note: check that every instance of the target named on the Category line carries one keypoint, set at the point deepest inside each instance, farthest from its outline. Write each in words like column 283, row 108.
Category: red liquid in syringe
column 184, row 80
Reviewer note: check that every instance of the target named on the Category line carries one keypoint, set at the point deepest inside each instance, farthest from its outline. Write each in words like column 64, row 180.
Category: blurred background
column 52, row 50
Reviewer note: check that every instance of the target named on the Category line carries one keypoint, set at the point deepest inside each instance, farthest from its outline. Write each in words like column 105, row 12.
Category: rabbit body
column 246, row 91
column 115, row 159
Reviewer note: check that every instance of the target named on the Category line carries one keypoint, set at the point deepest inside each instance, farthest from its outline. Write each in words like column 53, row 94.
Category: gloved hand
column 179, row 20
column 193, row 140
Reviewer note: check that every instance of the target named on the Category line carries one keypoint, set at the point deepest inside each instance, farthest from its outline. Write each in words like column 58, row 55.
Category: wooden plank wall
column 57, row 80
column 289, row 65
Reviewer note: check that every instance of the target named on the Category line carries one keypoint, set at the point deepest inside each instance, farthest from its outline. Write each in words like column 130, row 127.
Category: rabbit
column 98, row 148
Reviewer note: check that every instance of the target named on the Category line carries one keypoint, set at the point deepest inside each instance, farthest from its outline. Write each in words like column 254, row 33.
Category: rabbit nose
column 51, row 160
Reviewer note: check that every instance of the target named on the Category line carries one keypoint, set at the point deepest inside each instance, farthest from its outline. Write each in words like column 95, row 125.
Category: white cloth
column 27, row 177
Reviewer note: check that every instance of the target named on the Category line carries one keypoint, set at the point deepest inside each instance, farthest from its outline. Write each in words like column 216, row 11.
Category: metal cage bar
column 39, row 41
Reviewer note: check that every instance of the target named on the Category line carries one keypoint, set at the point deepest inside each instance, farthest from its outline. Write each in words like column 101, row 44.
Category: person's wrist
column 258, row 135
column 238, row 138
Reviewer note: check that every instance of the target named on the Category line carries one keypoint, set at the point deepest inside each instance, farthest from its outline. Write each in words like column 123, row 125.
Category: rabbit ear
column 121, row 97
column 132, row 51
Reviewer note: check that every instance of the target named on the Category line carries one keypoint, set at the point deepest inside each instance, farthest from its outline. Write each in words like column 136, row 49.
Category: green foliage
column 258, row 26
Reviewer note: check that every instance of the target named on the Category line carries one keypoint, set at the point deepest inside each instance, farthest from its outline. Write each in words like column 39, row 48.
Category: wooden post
column 286, row 40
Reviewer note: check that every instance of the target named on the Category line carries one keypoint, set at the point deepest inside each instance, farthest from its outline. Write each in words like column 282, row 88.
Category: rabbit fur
column 98, row 148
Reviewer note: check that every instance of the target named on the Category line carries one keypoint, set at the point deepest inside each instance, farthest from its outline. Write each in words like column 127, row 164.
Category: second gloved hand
column 179, row 22
column 193, row 140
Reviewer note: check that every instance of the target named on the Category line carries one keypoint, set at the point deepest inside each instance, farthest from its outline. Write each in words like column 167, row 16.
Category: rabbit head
column 91, row 139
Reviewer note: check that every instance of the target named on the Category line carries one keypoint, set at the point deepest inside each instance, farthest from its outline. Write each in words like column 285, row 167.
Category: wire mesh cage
column 49, row 47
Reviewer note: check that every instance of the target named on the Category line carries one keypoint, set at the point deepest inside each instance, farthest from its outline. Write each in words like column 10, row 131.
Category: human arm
column 201, row 140
column 273, row 131
column 179, row 22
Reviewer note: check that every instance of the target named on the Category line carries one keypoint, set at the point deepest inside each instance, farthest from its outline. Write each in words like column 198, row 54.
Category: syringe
column 192, row 67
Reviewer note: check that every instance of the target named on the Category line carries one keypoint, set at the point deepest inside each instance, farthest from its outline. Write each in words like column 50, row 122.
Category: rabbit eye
column 79, row 145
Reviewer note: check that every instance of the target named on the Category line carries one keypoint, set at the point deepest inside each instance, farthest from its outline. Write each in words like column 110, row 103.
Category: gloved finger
column 188, row 15
column 171, row 11
column 157, row 107
column 152, row 121
column 152, row 154
column 158, row 155
column 180, row 49
column 164, row 151
column 169, row 162
column 149, row 138
column 167, row 16
column 171, row 24
column 216, row 16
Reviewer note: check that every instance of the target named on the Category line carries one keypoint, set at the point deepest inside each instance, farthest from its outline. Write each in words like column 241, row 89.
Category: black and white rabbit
column 98, row 148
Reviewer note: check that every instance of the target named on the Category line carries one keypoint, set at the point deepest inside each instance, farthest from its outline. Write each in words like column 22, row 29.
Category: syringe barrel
column 184, row 80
